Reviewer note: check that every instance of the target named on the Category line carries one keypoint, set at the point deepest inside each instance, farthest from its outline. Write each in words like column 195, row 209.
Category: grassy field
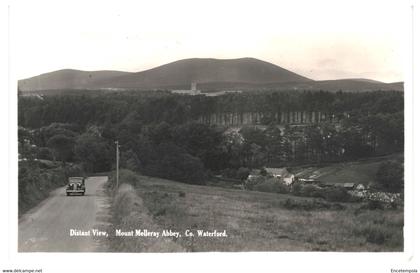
column 257, row 221
column 360, row 172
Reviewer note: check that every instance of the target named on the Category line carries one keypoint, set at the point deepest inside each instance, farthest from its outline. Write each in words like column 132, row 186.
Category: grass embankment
column 130, row 213
column 254, row 221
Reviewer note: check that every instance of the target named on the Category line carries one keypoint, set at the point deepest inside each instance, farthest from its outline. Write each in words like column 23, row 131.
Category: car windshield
column 76, row 180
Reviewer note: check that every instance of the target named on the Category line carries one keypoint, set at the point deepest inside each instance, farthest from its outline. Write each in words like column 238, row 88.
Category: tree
column 93, row 152
column 253, row 135
column 62, row 147
column 44, row 153
column 25, row 148
column 275, row 144
column 129, row 160
column 175, row 163
column 390, row 175
column 202, row 141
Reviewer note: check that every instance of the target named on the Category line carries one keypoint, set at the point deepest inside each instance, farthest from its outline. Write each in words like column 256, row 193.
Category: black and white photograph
column 213, row 127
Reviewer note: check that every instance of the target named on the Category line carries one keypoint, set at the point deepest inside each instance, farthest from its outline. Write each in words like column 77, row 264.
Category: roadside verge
column 134, row 227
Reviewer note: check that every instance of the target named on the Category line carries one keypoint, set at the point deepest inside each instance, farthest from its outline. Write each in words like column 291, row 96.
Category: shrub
column 263, row 172
column 297, row 189
column 250, row 183
column 271, row 185
column 129, row 177
column 334, row 194
column 373, row 205
column 331, row 194
column 242, row 173
column 229, row 173
column 35, row 184
column 125, row 176
column 239, row 174
column 311, row 191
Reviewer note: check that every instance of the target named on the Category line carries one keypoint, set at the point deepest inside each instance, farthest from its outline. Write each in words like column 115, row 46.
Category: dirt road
column 48, row 227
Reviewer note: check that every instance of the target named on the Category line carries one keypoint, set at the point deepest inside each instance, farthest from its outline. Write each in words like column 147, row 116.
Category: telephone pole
column 117, row 151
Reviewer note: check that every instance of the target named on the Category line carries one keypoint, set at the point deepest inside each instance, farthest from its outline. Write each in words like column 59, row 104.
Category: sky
column 321, row 40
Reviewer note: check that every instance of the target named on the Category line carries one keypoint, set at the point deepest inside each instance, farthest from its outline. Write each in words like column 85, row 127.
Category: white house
column 282, row 173
column 289, row 179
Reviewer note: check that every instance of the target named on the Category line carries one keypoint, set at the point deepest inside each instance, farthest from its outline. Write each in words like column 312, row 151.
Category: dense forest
column 188, row 138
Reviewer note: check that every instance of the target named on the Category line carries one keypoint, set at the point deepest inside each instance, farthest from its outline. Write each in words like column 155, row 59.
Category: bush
column 299, row 189
column 331, row 194
column 125, row 176
column 129, row 177
column 229, row 173
column 239, row 174
column 311, row 191
column 373, row 205
column 271, row 185
column 250, row 183
column 35, row 184
column 263, row 172
column 334, row 194
column 242, row 173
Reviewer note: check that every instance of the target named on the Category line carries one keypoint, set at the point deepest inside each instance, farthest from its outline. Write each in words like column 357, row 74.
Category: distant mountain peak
column 209, row 74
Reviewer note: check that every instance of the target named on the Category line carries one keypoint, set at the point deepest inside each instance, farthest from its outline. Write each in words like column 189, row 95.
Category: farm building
column 348, row 186
column 360, row 187
column 282, row 173
column 309, row 181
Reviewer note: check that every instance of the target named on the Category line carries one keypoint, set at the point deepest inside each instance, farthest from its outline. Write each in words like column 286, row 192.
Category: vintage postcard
column 184, row 126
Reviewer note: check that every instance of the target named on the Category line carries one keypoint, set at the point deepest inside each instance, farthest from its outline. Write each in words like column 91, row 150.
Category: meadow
column 254, row 221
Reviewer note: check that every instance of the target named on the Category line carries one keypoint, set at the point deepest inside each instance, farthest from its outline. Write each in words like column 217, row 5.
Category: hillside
column 359, row 172
column 67, row 79
column 354, row 85
column 175, row 75
column 209, row 74
column 181, row 73
column 347, row 85
column 253, row 221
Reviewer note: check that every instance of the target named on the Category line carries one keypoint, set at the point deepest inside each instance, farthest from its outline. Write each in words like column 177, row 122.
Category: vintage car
column 76, row 185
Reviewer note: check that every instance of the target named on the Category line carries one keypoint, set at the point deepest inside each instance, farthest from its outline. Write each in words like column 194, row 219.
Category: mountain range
column 209, row 75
